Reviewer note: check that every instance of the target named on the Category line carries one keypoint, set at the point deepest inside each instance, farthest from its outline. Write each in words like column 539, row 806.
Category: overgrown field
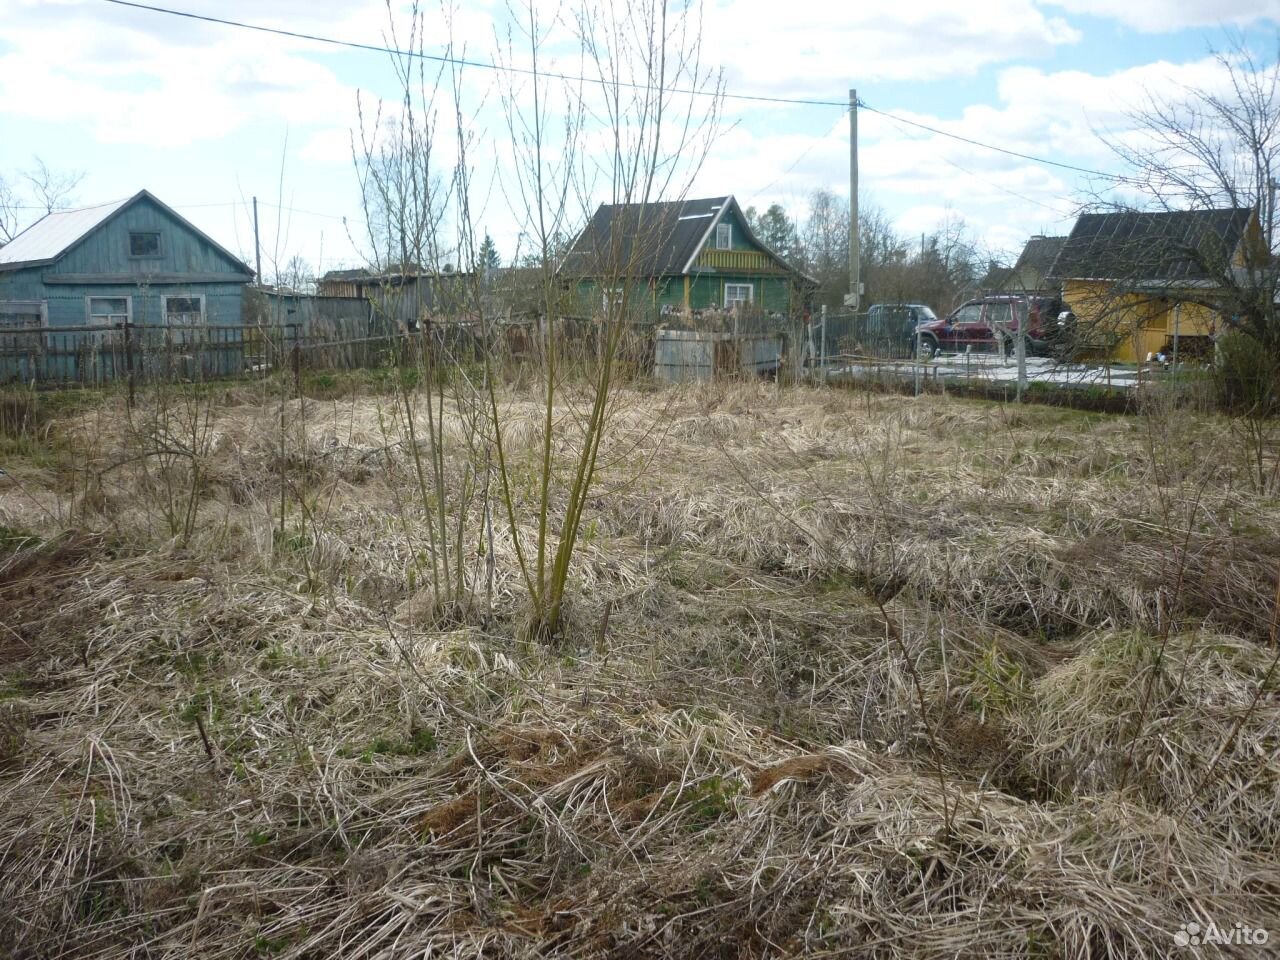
column 841, row 675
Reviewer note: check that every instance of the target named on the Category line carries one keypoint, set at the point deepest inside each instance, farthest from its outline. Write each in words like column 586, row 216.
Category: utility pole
column 257, row 247
column 854, row 296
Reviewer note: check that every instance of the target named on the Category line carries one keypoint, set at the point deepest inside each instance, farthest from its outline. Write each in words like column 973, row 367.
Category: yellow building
column 1139, row 282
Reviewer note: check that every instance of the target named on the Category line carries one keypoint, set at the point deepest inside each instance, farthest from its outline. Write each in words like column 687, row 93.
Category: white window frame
column 183, row 332
column 109, row 325
column 110, row 332
column 724, row 236
column 611, row 296
column 164, row 306
column 730, row 302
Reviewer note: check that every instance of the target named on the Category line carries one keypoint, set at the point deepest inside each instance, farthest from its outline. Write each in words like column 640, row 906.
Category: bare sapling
column 636, row 59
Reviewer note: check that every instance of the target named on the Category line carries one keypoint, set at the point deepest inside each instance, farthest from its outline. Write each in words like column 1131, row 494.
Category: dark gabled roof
column 1171, row 245
column 643, row 239
column 1039, row 254
column 653, row 239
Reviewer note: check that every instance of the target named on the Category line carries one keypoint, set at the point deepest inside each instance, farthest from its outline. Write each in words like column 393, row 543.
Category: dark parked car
column 981, row 324
column 897, row 321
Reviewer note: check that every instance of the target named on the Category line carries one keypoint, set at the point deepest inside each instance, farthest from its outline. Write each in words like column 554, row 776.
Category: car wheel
column 927, row 345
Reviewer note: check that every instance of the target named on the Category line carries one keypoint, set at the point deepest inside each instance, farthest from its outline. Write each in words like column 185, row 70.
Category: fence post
column 822, row 355
column 296, row 360
column 128, row 358
column 1020, row 351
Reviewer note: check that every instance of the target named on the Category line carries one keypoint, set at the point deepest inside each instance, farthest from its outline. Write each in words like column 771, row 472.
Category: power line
column 309, row 213
column 991, row 146
column 993, row 184
column 485, row 65
column 462, row 61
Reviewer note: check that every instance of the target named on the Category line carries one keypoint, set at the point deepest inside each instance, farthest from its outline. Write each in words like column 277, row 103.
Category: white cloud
column 918, row 176
column 331, row 147
column 112, row 76
column 126, row 85
column 1163, row 16
column 822, row 49
column 131, row 76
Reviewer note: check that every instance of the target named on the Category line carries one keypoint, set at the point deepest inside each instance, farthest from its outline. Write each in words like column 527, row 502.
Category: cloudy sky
column 207, row 116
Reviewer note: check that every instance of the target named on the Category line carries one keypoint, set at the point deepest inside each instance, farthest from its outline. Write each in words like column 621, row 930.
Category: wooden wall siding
column 671, row 293
column 773, row 292
column 739, row 237
column 106, row 250
column 337, row 318
column 754, row 261
column 1139, row 324
column 339, row 288
column 100, row 265
column 67, row 306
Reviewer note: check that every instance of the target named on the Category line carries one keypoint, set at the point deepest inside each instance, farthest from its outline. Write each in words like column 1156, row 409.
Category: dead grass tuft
column 272, row 734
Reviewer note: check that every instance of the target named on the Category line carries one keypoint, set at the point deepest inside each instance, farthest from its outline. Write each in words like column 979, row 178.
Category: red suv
column 980, row 324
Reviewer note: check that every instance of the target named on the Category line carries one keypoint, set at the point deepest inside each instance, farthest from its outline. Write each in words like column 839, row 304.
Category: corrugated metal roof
column 49, row 236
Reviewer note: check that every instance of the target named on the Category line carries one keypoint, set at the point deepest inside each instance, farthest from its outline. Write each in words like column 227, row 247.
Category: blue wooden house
column 73, row 280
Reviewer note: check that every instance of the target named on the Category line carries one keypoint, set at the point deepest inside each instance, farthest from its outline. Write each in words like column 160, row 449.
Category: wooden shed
column 690, row 356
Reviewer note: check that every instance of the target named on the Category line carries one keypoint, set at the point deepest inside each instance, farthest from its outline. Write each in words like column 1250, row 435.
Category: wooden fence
column 141, row 353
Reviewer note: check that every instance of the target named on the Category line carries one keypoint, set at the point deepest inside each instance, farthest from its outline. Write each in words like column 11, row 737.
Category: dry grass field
column 842, row 675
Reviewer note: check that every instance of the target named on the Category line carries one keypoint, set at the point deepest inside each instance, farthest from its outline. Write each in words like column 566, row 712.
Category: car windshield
column 925, row 314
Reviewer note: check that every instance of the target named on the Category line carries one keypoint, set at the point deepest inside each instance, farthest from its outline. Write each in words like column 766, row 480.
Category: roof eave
column 731, row 199
column 697, row 249
column 26, row 264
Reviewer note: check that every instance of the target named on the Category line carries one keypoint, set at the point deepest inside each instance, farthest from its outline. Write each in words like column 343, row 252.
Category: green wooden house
column 679, row 257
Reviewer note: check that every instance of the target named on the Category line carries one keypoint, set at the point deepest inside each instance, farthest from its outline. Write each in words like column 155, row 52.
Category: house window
column 108, row 311
column 736, row 293
column 183, row 311
column 21, row 322
column 184, row 317
column 724, row 236
column 611, row 298
column 144, row 244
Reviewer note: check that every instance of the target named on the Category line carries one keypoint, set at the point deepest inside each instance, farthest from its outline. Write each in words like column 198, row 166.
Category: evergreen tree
column 775, row 230
column 488, row 254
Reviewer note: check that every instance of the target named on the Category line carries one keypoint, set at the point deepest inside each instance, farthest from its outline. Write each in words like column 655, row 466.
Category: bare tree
column 41, row 188
column 1215, row 149
column 296, row 275
column 9, row 211
column 825, row 241
column 655, row 106
column 52, row 189
column 629, row 131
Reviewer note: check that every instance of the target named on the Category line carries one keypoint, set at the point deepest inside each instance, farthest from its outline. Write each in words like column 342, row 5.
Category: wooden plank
column 134, row 279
